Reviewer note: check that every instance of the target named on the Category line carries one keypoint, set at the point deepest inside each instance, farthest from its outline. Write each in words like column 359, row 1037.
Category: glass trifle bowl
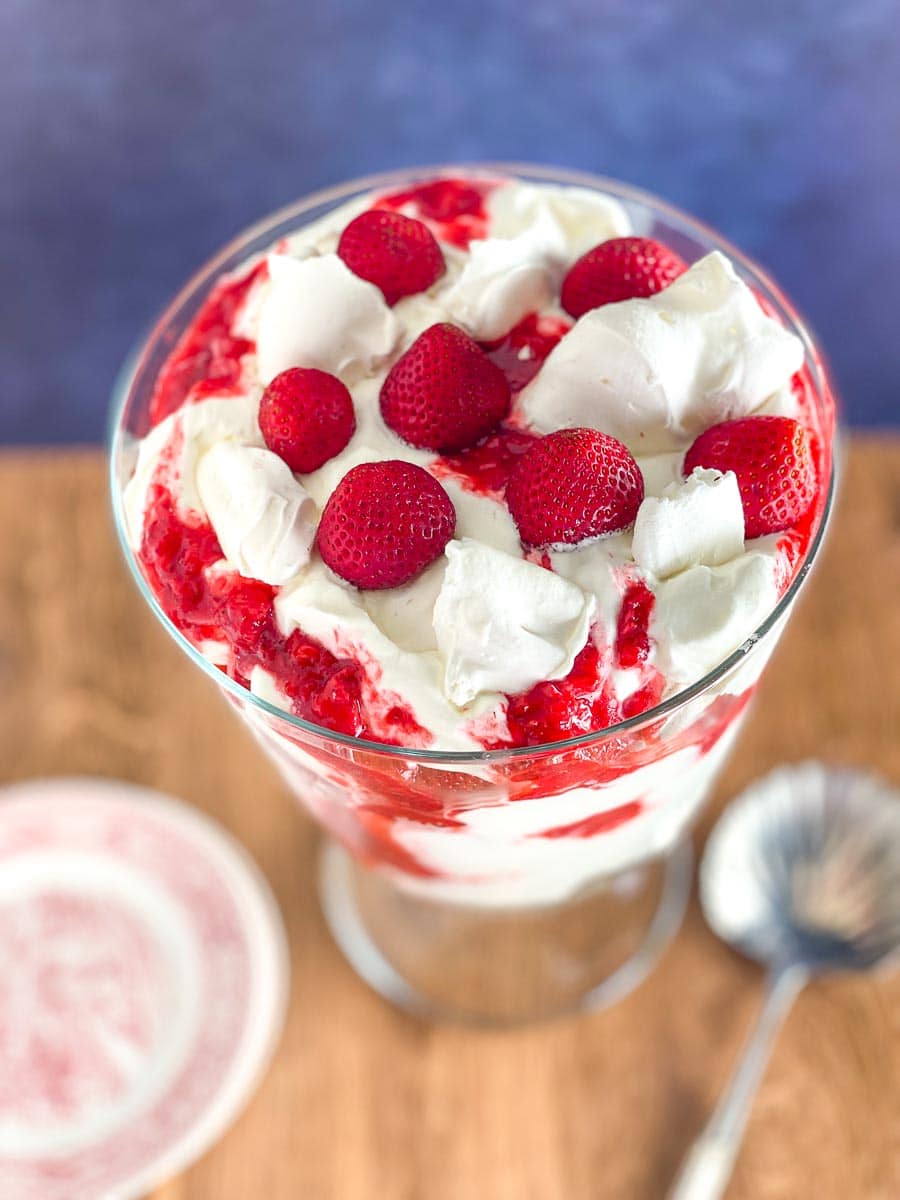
column 500, row 882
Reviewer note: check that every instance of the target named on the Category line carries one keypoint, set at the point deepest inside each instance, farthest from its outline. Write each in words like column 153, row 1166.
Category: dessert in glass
column 484, row 494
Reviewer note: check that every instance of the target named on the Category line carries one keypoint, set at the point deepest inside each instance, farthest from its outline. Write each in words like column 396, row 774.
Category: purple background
column 137, row 137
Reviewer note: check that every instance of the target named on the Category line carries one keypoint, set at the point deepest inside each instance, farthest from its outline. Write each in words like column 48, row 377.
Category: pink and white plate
column 144, row 977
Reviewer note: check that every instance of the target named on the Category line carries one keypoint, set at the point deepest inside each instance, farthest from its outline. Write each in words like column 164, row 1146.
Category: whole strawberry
column 396, row 253
column 572, row 486
column 772, row 461
column 384, row 523
column 621, row 269
column 306, row 417
column 444, row 393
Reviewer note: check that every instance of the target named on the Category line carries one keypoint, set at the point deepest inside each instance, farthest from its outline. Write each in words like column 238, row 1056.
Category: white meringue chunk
column 699, row 521
column 703, row 614
column 503, row 624
column 317, row 313
column 264, row 520
column 170, row 452
column 581, row 218
column 656, row 372
column 503, row 280
column 335, row 616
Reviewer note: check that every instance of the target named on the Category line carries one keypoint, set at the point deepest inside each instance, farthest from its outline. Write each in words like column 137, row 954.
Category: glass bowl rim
column 205, row 275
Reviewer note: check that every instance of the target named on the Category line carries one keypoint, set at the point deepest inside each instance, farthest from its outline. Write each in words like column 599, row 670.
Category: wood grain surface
column 363, row 1103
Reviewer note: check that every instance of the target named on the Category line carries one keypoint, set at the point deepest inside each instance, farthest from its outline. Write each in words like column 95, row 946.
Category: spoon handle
column 705, row 1172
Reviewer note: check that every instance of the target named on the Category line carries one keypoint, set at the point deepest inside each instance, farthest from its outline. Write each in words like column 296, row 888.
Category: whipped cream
column 483, row 622
column 537, row 232
column 170, row 452
column 503, row 624
column 503, row 280
column 656, row 372
column 335, row 615
column 699, row 521
column 265, row 522
column 571, row 220
column 317, row 313
column 704, row 613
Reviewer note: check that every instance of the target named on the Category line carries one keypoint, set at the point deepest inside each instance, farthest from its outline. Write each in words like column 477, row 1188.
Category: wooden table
column 363, row 1103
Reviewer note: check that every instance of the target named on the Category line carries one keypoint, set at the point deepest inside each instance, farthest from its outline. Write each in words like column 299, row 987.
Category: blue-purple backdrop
column 137, row 137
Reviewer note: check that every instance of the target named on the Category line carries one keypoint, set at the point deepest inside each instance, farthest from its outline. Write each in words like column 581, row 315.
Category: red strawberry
column 444, row 393
column 396, row 253
column 384, row 523
column 620, row 269
column 306, row 417
column 772, row 460
column 574, row 485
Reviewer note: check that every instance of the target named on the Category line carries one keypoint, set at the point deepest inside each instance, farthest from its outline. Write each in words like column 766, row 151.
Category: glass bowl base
column 503, row 966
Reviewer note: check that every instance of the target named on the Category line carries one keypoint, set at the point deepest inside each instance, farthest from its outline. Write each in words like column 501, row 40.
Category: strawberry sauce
column 179, row 556
column 520, row 353
column 485, row 468
column 454, row 209
column 207, row 360
column 633, row 628
column 381, row 796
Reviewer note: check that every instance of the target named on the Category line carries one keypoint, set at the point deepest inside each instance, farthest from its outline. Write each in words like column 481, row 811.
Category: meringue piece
column 703, row 614
column 317, row 313
column 503, row 280
column 699, row 521
column 580, row 218
column 503, row 624
column 264, row 520
column 335, row 616
column 170, row 452
column 656, row 372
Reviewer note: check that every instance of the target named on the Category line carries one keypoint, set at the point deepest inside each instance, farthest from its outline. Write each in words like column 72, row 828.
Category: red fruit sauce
column 633, row 627
column 207, row 359
column 326, row 690
column 340, row 693
column 485, row 468
column 452, row 208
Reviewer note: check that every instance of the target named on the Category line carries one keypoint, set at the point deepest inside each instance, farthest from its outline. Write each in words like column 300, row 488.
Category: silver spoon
column 803, row 874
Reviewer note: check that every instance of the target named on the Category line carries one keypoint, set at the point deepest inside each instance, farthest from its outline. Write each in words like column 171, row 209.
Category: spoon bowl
column 803, row 875
column 805, row 868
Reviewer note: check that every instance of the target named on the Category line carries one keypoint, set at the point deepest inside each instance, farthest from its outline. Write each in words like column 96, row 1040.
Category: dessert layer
column 496, row 642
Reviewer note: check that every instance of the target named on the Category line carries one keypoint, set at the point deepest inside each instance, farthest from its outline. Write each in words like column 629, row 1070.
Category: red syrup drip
column 618, row 755
column 323, row 689
column 485, row 468
column 633, row 626
column 564, row 708
column 207, row 359
column 453, row 208
column 602, row 822
column 520, row 352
